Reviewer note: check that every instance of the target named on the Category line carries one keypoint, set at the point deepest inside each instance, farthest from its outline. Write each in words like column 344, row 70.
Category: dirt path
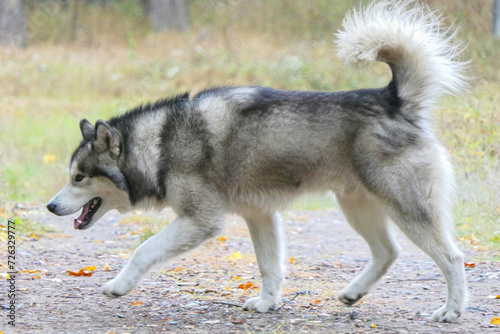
column 197, row 293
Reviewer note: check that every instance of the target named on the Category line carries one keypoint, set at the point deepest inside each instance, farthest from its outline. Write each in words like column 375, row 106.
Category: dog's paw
column 350, row 298
column 446, row 314
column 259, row 304
column 115, row 288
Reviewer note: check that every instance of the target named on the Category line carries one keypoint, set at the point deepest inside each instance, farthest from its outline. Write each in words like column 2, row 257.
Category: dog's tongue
column 78, row 221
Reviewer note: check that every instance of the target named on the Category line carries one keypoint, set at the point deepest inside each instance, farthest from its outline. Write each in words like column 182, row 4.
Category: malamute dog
column 252, row 150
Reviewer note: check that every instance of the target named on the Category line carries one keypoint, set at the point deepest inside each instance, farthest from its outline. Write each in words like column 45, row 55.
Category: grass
column 47, row 88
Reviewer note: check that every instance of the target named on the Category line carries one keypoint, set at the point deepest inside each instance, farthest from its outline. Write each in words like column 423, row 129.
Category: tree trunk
column 167, row 14
column 496, row 19
column 12, row 23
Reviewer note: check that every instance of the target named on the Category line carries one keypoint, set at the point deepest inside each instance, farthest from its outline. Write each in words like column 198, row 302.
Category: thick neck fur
column 141, row 130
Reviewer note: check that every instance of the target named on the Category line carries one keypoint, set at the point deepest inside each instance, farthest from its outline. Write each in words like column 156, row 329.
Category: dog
column 253, row 150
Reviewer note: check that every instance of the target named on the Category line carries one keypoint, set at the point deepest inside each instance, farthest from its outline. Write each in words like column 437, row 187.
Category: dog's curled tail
column 408, row 36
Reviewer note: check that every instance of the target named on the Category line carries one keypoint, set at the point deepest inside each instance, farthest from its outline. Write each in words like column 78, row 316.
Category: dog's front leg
column 181, row 235
column 265, row 231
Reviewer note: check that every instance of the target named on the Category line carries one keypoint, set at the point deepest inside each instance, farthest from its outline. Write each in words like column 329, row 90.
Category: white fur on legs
column 435, row 240
column 369, row 219
column 265, row 230
column 181, row 235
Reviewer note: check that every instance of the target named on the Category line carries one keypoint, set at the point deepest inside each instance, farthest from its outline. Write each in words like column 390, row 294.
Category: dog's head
column 96, row 183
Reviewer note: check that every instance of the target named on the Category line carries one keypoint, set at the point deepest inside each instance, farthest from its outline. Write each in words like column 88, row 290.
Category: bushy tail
column 408, row 36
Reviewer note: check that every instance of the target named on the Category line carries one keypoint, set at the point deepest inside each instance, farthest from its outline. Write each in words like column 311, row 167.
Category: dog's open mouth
column 88, row 211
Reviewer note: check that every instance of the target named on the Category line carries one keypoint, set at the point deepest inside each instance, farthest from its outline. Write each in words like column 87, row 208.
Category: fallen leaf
column 176, row 270
column 82, row 272
column 235, row 277
column 470, row 265
column 317, row 301
column 123, row 237
column 373, row 326
column 239, row 321
column 497, row 297
column 236, row 256
column 98, row 241
column 107, row 267
column 34, row 236
column 60, row 236
column 248, row 286
column 36, row 276
column 292, row 260
column 91, row 268
column 221, row 239
column 139, row 303
column 79, row 273
column 495, row 321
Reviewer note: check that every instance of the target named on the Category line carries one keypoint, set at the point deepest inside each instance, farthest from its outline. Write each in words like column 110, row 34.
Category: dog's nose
column 51, row 207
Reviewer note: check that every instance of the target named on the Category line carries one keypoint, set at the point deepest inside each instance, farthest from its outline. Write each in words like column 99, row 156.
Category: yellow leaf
column 236, row 256
column 123, row 237
column 317, row 301
column 36, row 276
column 139, row 303
column 373, row 326
column 497, row 297
column 34, row 236
column 98, row 241
column 495, row 321
column 48, row 158
column 31, row 271
column 292, row 260
column 221, row 239
column 91, row 268
column 107, row 267
column 236, row 277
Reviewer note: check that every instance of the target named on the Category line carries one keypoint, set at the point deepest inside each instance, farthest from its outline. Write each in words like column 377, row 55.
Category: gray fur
column 253, row 150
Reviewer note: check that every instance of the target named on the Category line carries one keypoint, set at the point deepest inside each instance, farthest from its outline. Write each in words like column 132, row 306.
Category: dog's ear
column 87, row 129
column 106, row 138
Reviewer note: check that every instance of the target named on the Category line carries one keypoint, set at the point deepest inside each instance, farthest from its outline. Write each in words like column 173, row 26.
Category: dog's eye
column 79, row 177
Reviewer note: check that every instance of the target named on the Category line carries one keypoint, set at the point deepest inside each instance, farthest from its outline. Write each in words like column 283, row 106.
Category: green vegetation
column 116, row 63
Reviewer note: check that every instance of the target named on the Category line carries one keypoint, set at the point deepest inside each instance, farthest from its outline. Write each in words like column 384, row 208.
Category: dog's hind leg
column 432, row 235
column 367, row 216
column 415, row 189
column 183, row 234
column 265, row 230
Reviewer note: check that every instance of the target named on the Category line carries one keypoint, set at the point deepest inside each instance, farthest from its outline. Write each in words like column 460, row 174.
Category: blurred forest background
column 63, row 60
